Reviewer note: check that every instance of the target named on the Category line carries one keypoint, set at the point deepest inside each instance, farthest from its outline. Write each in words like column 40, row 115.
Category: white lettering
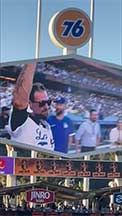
column 119, row 198
column 40, row 195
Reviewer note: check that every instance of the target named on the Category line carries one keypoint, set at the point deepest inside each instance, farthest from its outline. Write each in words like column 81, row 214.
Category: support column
column 118, row 158
column 86, row 184
column 10, row 180
column 33, row 178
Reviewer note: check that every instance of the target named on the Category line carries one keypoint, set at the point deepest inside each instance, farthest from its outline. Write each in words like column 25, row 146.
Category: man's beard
column 41, row 117
column 59, row 112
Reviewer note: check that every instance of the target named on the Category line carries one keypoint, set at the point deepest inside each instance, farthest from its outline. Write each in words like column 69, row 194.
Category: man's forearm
column 70, row 141
column 98, row 141
column 23, row 87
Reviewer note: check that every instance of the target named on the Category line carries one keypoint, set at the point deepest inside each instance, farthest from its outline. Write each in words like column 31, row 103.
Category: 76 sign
column 75, row 28
column 70, row 28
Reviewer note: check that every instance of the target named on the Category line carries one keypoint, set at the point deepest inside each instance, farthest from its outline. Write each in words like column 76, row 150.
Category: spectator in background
column 116, row 133
column 62, row 127
column 88, row 134
column 101, row 115
column 4, row 117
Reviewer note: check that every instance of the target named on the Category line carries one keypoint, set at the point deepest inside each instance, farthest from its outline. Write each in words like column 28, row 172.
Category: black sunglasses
column 43, row 103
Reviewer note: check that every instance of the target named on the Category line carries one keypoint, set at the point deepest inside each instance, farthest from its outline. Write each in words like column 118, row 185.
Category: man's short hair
column 36, row 87
column 92, row 110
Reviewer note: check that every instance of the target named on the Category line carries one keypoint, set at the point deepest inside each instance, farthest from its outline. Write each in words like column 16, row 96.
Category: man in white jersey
column 31, row 128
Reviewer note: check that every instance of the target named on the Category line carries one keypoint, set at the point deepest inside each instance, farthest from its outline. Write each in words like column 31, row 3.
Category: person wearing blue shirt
column 62, row 126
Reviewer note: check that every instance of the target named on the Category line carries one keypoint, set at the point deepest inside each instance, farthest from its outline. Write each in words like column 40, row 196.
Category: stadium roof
column 61, row 192
column 98, row 69
column 75, row 62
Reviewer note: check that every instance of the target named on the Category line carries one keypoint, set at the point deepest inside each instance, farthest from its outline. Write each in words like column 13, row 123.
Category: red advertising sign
column 6, row 165
column 70, row 168
column 2, row 163
column 40, row 196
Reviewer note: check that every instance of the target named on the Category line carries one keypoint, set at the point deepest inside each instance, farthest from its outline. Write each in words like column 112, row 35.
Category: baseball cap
column 60, row 100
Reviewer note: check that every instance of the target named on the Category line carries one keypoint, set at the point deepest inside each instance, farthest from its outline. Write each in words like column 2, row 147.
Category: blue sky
column 18, row 29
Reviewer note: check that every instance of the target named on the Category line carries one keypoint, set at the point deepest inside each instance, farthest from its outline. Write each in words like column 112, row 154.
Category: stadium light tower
column 37, row 52
column 92, row 20
column 38, row 30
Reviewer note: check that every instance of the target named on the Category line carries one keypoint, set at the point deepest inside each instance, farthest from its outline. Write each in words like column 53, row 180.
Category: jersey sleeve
column 17, row 118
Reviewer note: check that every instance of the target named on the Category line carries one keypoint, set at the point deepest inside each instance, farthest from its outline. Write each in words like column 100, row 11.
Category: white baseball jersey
column 32, row 133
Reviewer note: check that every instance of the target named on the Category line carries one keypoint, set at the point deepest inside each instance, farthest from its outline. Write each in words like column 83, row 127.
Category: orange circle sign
column 70, row 28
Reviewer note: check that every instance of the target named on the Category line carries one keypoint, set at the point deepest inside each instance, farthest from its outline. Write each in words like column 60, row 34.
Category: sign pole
column 37, row 52
column 38, row 29
column 92, row 35
column 67, row 51
column 118, row 158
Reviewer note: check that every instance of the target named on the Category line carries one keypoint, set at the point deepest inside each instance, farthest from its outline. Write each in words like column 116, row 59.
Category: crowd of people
column 33, row 108
column 57, row 210
column 76, row 103
column 82, row 79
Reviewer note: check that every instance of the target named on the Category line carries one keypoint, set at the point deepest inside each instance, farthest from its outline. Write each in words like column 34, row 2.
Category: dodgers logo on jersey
column 41, row 137
column 65, row 125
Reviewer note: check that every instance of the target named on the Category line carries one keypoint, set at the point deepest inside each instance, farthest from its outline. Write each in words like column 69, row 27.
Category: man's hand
column 23, row 86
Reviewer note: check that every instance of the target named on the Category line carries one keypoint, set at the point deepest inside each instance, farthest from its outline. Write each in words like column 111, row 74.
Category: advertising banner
column 6, row 165
column 63, row 168
column 40, row 196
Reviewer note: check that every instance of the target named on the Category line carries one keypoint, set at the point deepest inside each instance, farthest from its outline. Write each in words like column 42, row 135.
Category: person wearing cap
column 61, row 125
column 30, row 128
column 116, row 133
column 4, row 117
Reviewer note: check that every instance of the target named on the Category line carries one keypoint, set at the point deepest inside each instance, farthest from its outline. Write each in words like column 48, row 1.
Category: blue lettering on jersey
column 41, row 137
column 42, row 143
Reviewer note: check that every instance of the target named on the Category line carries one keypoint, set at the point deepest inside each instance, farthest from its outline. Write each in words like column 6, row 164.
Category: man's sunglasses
column 43, row 103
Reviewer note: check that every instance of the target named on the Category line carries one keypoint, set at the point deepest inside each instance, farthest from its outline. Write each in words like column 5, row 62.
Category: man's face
column 93, row 116
column 40, row 104
column 59, row 108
